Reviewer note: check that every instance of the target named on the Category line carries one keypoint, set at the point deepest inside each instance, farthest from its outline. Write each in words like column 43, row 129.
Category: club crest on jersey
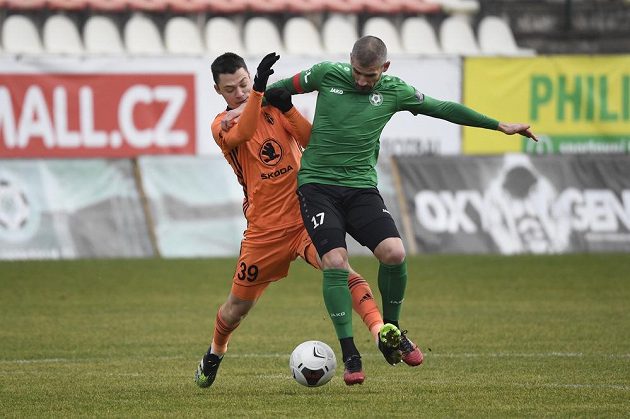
column 376, row 99
column 270, row 152
column 419, row 96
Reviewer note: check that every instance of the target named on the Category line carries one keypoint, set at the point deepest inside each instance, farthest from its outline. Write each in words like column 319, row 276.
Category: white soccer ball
column 313, row 363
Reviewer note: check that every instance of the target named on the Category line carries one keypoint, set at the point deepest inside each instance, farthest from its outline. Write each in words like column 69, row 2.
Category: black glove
column 280, row 98
column 264, row 71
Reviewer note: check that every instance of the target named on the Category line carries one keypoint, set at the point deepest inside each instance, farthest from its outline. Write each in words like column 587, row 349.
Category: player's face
column 234, row 87
column 366, row 77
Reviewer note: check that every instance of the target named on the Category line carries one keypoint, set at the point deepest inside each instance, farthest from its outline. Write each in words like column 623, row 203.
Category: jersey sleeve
column 244, row 129
column 305, row 81
column 298, row 126
column 456, row 113
column 410, row 99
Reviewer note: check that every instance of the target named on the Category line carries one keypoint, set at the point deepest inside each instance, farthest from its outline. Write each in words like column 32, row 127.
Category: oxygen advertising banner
column 517, row 203
column 66, row 108
column 575, row 104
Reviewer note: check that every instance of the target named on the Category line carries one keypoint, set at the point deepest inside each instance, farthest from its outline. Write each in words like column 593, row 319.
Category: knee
column 390, row 252
column 336, row 259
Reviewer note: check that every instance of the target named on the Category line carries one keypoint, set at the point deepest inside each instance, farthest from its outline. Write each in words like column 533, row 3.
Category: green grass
column 508, row 337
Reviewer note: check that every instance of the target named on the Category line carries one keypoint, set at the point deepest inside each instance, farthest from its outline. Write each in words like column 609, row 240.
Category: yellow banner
column 566, row 99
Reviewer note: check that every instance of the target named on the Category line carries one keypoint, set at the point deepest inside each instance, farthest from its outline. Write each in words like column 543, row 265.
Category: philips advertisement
column 576, row 104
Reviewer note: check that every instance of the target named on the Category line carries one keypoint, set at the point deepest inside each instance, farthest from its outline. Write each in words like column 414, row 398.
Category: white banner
column 68, row 209
column 196, row 205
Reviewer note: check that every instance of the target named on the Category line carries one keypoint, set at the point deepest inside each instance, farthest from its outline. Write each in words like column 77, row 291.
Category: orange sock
column 222, row 333
column 364, row 304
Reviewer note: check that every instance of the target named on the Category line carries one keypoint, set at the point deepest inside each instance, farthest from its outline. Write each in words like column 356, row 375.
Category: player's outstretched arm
column 516, row 128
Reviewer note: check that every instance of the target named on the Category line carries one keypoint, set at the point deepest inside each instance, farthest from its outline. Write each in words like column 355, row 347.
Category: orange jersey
column 264, row 149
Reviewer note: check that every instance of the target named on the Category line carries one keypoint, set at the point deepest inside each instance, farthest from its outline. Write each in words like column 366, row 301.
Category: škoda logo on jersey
column 271, row 154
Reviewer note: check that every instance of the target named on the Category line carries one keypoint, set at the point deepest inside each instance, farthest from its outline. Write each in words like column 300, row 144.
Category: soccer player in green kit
column 337, row 184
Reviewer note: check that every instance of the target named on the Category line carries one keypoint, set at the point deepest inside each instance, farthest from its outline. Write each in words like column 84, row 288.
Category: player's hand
column 280, row 98
column 264, row 71
column 523, row 129
column 231, row 117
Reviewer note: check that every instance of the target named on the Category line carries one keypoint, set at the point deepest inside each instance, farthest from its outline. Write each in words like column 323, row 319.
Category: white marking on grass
column 513, row 355
column 37, row 361
column 556, row 385
column 370, row 355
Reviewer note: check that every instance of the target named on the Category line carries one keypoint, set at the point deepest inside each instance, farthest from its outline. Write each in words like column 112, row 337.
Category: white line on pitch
column 365, row 355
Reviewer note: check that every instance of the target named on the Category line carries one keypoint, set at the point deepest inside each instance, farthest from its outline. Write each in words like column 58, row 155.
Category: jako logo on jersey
column 376, row 99
column 279, row 172
column 343, row 313
column 270, row 152
column 336, row 91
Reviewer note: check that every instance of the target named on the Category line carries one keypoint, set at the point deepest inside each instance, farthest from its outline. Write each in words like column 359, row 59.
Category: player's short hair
column 369, row 51
column 227, row 63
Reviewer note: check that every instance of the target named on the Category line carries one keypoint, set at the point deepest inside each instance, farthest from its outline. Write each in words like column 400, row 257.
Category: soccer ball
column 313, row 363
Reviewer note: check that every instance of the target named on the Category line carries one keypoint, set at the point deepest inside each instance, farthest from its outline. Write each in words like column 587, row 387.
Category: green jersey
column 345, row 139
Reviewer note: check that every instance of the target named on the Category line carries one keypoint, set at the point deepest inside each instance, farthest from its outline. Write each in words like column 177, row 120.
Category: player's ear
column 386, row 66
column 216, row 89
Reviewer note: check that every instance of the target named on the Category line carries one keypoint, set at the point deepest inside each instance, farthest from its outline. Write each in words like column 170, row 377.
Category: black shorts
column 330, row 211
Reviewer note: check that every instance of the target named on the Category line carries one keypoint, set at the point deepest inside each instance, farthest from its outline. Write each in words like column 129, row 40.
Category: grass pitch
column 508, row 337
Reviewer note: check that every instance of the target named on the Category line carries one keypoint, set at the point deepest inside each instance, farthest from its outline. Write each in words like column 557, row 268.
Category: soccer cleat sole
column 200, row 379
column 389, row 343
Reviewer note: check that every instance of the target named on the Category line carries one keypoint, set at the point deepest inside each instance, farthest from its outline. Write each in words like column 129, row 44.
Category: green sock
column 338, row 301
column 392, row 281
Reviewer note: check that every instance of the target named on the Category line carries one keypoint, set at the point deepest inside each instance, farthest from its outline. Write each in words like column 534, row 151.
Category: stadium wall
column 102, row 157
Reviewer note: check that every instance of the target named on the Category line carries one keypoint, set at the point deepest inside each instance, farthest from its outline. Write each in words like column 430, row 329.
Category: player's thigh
column 368, row 219
column 259, row 264
column 323, row 219
column 304, row 248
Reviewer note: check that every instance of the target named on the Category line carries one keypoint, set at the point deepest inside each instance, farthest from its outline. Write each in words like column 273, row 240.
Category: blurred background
column 106, row 105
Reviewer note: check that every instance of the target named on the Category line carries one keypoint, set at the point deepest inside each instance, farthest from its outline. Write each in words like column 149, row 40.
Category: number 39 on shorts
column 318, row 219
column 249, row 273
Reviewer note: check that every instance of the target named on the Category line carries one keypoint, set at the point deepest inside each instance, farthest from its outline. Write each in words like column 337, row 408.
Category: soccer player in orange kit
column 264, row 149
